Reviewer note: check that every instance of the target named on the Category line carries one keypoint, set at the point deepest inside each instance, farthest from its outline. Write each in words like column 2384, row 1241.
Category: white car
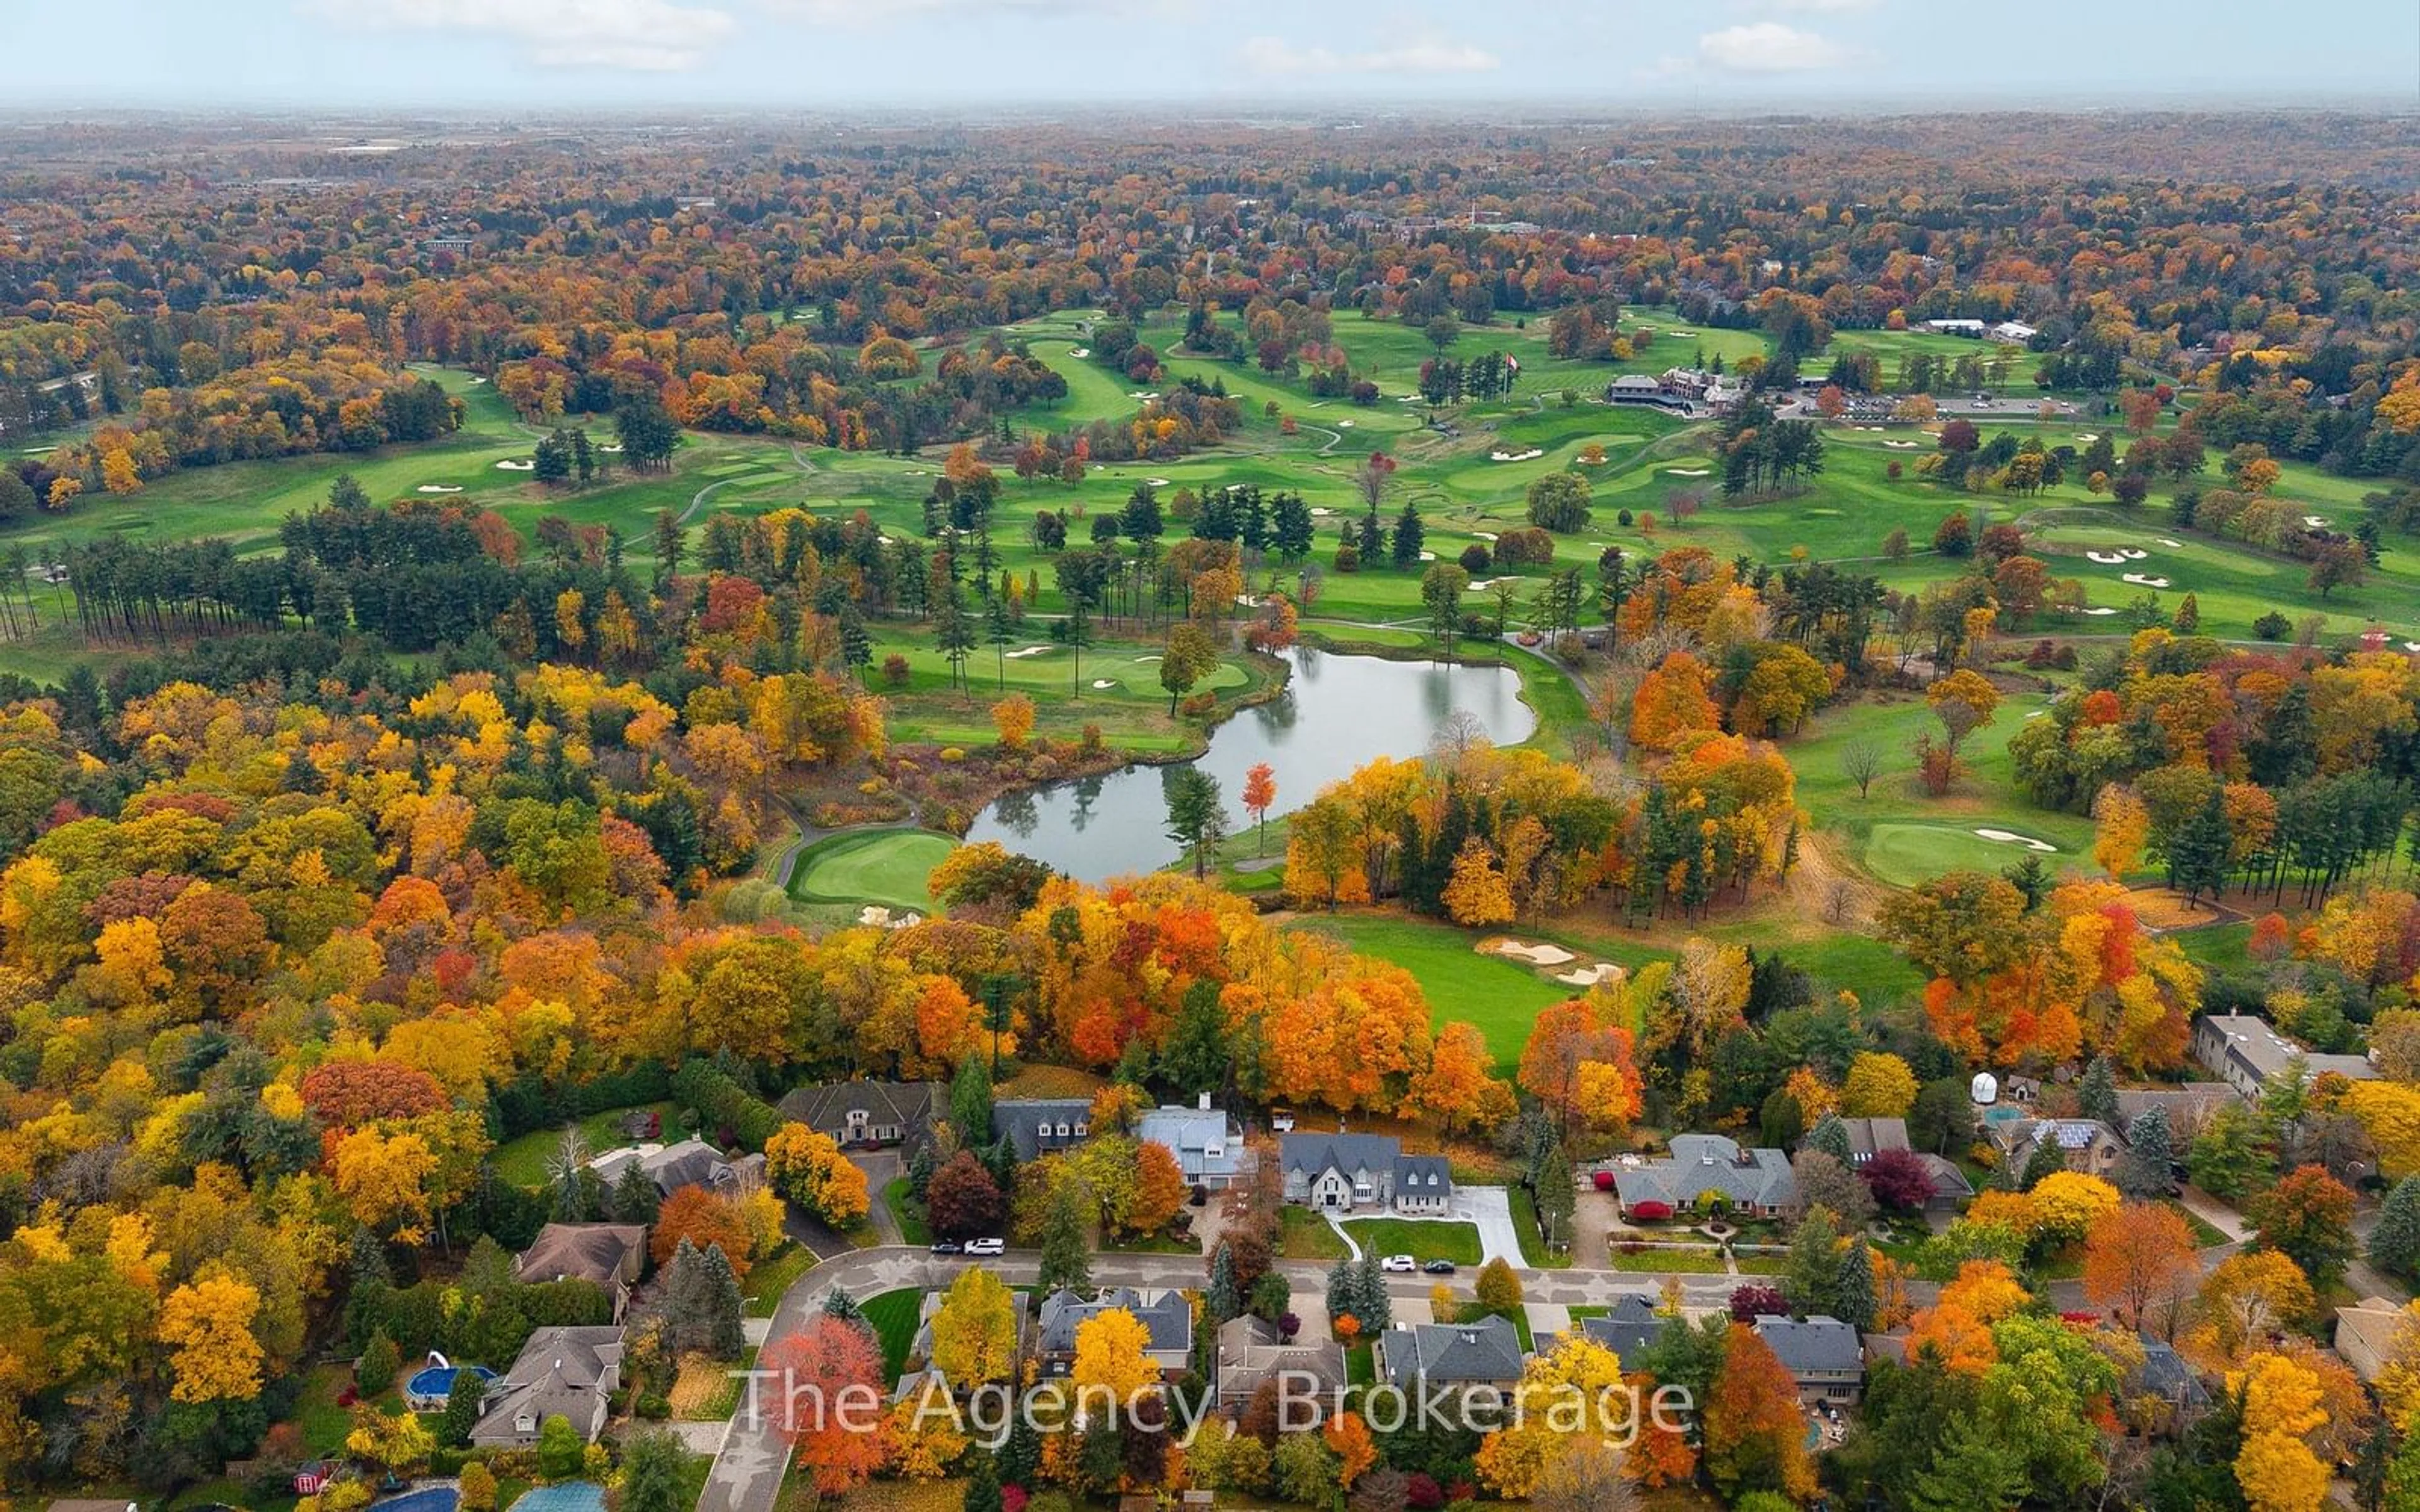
column 986, row 1246
column 1392, row 1262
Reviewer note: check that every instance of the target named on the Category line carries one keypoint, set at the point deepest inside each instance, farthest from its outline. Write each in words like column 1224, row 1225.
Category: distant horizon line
column 1566, row 109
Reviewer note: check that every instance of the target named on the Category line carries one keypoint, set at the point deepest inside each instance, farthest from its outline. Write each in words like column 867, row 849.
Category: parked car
column 947, row 1246
column 1398, row 1262
column 1439, row 1268
column 986, row 1246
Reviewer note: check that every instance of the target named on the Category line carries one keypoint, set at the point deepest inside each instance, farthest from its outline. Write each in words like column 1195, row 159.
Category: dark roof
column 1023, row 1122
column 1454, row 1353
column 1868, row 1137
column 826, row 1107
column 1816, row 1345
column 1312, row 1153
column 2165, row 1374
column 1629, row 1328
column 1167, row 1318
column 582, row 1252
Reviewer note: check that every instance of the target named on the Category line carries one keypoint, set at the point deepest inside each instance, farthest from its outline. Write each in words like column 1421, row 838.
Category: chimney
column 1204, row 1103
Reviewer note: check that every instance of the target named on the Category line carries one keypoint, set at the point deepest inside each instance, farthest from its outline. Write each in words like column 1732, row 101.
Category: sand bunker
column 2173, row 546
column 2108, row 558
column 2101, row 612
column 2411, row 645
column 474, row 382
column 1143, row 660
column 1157, row 483
column 614, row 447
column 1485, row 535
column 1590, row 976
column 1080, row 351
column 509, row 466
column 1536, row 955
column 1103, row 682
column 2143, row 579
column 1530, row 456
column 1690, row 472
column 2088, row 438
column 2007, row 837
column 1904, row 446
column 2317, row 522
column 1428, row 556
column 1028, row 651
column 881, row 917
column 2133, row 553
column 1322, row 514
column 1344, row 425
column 437, row 487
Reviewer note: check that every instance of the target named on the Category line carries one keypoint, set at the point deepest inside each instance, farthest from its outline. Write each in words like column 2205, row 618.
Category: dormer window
column 1063, row 1131
column 1082, row 1129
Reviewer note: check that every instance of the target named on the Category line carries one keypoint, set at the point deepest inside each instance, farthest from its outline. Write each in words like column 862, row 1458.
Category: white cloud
column 1768, row 47
column 643, row 36
column 1828, row 7
column 1269, row 55
column 868, row 14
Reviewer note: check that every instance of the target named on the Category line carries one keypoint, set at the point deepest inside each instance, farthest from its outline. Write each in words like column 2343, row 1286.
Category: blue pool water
column 438, row 1379
column 571, row 1496
column 436, row 1499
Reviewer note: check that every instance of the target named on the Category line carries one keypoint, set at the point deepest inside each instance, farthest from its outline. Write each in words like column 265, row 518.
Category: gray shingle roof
column 1454, row 1353
column 1167, row 1318
column 826, row 1107
column 1629, row 1328
column 1816, row 1345
column 580, row 1251
column 1031, row 1124
column 1703, row 1162
column 562, row 1372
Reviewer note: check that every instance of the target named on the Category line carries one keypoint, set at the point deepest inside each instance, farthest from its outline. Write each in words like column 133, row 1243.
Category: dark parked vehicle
column 1439, row 1268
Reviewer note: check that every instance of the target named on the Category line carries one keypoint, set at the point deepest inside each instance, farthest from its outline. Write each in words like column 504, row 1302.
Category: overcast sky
column 810, row 54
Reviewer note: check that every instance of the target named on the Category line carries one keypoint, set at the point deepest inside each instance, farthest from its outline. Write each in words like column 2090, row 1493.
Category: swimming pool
column 428, row 1387
column 434, row 1499
column 571, row 1496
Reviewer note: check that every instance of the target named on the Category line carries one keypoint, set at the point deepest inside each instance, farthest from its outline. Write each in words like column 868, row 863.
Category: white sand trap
column 2143, row 579
column 1902, row 446
column 2133, row 553
column 1536, row 955
column 2108, row 558
column 1484, row 584
column 1157, row 483
column 2088, row 438
column 2006, row 837
column 1690, row 472
column 1428, row 556
column 1682, row 335
column 1080, row 351
column 876, row 915
column 615, row 447
column 2317, row 522
column 2173, row 546
column 2411, row 645
column 1590, row 976
column 510, row 466
column 475, row 383
column 1530, row 456
column 1322, row 514
column 437, row 487
column 1028, row 651
column 1103, row 682
column 2101, row 611
column 1344, row 425
column 1141, row 660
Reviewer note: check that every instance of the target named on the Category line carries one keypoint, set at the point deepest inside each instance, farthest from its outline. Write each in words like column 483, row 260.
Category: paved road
column 747, row 1475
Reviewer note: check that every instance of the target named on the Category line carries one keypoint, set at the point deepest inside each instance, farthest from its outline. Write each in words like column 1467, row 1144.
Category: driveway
column 1491, row 1208
column 881, row 1168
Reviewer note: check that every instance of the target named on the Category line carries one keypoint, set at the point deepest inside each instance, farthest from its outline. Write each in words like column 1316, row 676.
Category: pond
column 1337, row 712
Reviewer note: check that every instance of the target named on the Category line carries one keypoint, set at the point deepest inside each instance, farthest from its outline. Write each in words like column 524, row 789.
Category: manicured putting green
column 883, row 866
column 1905, row 855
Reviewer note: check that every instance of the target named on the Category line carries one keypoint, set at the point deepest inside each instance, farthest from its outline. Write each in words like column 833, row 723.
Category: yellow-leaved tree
column 208, row 1322
column 1111, row 1361
column 974, row 1333
column 1571, row 1391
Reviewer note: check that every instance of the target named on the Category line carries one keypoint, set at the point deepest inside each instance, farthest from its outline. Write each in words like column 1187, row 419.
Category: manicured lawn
column 2217, row 948
column 881, row 866
column 893, row 1316
column 1303, row 1235
column 2206, row 1235
column 909, row 1212
column 772, row 1275
column 1906, row 854
column 1533, row 1243
column 1686, row 1259
column 523, row 1161
column 1423, row 1242
column 1501, row 998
